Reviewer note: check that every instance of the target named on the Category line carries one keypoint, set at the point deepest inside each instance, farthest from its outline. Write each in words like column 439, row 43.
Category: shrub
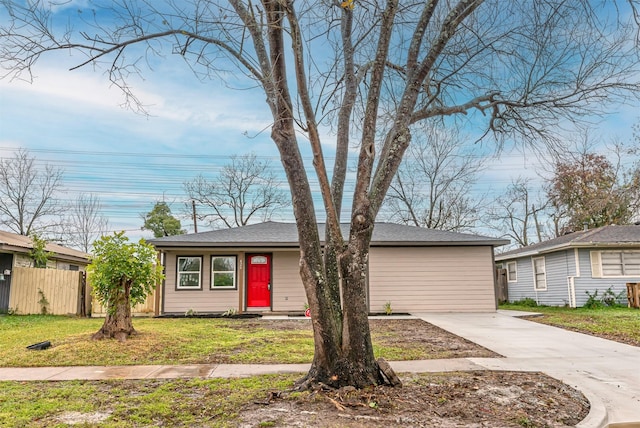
column 527, row 302
column 609, row 299
column 593, row 302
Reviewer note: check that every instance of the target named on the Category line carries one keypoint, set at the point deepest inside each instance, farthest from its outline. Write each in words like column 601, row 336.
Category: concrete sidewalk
column 607, row 372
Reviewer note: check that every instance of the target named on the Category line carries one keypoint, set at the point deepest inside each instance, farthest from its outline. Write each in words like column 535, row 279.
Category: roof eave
column 183, row 244
column 565, row 246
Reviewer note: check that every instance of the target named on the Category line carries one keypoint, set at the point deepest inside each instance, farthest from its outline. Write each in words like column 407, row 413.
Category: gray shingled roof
column 275, row 234
column 605, row 236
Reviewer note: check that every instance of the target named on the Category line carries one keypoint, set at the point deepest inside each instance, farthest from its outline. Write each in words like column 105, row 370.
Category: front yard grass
column 117, row 403
column 615, row 323
column 181, row 341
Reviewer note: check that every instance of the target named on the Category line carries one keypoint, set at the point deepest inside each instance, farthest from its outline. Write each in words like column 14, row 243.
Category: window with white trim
column 189, row 272
column 223, row 272
column 512, row 272
column 539, row 274
column 620, row 263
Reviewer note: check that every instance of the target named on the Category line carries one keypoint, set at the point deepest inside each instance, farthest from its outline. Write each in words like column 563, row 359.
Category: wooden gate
column 502, row 286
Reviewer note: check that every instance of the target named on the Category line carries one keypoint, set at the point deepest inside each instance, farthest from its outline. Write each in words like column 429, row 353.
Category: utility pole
column 195, row 223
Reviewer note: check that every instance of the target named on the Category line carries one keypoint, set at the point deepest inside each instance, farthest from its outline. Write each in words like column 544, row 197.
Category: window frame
column 515, row 272
column 535, row 273
column 179, row 272
column 235, row 272
column 623, row 263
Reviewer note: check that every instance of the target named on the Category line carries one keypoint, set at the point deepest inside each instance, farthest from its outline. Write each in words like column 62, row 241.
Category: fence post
column 82, row 296
column 633, row 294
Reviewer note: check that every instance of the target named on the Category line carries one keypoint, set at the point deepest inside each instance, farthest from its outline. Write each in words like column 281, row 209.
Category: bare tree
column 28, row 202
column 434, row 183
column 370, row 69
column 85, row 223
column 519, row 214
column 245, row 190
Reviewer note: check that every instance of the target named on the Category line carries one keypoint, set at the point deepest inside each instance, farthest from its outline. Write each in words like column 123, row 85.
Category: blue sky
column 74, row 120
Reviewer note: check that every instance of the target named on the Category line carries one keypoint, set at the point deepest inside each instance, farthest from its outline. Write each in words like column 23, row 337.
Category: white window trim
column 598, row 272
column 178, row 272
column 509, row 279
column 235, row 273
column 544, row 267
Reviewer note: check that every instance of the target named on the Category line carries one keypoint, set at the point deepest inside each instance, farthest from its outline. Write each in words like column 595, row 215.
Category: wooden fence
column 51, row 291
column 60, row 292
column 146, row 308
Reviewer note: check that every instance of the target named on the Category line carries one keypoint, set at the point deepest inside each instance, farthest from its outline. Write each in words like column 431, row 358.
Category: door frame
column 7, row 257
column 247, row 258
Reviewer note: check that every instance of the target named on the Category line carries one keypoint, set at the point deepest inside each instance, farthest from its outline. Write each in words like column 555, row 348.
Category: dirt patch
column 426, row 338
column 419, row 338
column 461, row 399
column 76, row 418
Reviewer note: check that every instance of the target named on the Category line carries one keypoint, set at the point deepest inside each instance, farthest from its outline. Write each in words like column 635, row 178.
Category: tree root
column 388, row 374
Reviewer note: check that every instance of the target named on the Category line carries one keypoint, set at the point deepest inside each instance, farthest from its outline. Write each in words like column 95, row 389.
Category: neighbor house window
column 189, row 272
column 512, row 273
column 620, row 263
column 539, row 274
column 223, row 272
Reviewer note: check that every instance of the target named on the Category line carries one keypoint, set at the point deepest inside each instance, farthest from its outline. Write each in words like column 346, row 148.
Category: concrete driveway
column 606, row 370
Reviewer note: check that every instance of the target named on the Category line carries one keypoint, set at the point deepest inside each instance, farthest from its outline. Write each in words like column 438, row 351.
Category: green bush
column 609, row 299
column 527, row 302
column 593, row 302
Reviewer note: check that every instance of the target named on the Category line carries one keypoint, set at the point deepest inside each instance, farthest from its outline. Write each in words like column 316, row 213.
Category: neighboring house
column 14, row 253
column 256, row 269
column 561, row 271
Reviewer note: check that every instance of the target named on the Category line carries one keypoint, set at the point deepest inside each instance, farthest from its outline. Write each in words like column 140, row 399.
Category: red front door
column 259, row 281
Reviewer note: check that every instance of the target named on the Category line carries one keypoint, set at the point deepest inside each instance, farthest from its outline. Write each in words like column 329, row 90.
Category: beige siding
column 412, row 279
column 61, row 289
column 20, row 260
column 435, row 279
column 204, row 300
column 288, row 292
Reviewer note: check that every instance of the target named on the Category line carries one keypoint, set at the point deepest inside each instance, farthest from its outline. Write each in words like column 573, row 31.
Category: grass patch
column 178, row 341
column 180, row 402
column 615, row 323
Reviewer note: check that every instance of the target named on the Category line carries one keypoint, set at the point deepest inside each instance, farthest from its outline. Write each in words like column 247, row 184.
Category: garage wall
column 435, row 279
column 287, row 292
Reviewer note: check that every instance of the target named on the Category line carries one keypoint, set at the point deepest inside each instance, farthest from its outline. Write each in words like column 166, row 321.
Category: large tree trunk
column 343, row 351
column 117, row 323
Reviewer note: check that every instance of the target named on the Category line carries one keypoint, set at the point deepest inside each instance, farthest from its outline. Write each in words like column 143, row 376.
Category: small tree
column 161, row 222
column 39, row 254
column 122, row 275
column 589, row 189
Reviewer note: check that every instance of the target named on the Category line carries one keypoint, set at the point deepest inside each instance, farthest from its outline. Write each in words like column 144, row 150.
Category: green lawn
column 620, row 324
column 119, row 403
column 176, row 341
